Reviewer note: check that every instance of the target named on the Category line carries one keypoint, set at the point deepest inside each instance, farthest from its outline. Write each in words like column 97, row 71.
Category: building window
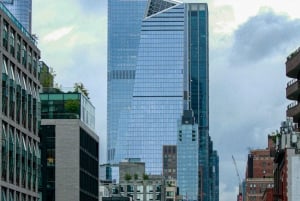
column 24, row 55
column 19, row 49
column 11, row 155
column 12, row 43
column 12, row 93
column 4, row 87
column 18, row 158
column 4, row 152
column 23, row 162
column 5, row 35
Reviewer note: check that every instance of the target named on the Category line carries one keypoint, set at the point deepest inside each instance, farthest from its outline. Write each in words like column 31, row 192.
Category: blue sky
column 249, row 43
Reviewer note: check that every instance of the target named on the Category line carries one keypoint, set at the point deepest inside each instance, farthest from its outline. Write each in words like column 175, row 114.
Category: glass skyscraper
column 124, row 23
column 157, row 100
column 21, row 9
column 157, row 68
column 188, row 157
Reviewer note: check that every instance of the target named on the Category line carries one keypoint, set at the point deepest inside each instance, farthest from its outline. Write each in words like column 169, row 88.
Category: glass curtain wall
column 157, row 102
column 198, row 66
column 21, row 9
column 124, row 23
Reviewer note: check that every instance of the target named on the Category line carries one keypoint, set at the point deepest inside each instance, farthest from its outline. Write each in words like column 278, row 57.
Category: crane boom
column 237, row 172
column 238, row 175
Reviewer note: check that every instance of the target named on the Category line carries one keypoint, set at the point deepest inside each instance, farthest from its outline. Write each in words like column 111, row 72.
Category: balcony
column 293, row 89
column 293, row 64
column 293, row 110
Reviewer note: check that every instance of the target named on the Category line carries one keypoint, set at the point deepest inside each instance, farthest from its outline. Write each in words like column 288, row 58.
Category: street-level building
column 169, row 158
column 259, row 171
column 69, row 147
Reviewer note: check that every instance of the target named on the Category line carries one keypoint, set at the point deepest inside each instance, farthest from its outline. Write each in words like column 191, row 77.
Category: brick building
column 259, row 171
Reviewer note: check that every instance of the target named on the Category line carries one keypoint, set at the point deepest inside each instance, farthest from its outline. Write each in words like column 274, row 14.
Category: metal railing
column 17, row 23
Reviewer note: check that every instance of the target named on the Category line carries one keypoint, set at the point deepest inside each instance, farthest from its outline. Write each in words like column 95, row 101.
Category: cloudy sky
column 249, row 43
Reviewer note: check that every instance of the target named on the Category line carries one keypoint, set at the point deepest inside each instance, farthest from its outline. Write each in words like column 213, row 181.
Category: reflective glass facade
column 21, row 9
column 157, row 68
column 188, row 158
column 124, row 22
column 157, row 101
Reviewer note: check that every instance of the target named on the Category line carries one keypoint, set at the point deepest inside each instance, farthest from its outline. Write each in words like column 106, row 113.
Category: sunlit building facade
column 169, row 63
column 21, row 9
column 124, row 22
column 20, row 156
column 157, row 100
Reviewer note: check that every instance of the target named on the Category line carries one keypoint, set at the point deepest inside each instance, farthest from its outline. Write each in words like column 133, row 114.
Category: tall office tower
column 157, row 100
column 69, row 147
column 19, row 118
column 171, row 74
column 164, row 44
column 188, row 158
column 124, row 23
column 21, row 9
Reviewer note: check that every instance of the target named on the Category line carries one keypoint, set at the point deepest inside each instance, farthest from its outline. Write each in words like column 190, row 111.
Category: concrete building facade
column 69, row 147
column 19, row 156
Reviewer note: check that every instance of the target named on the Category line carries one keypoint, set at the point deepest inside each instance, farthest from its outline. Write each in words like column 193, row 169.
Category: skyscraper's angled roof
column 156, row 6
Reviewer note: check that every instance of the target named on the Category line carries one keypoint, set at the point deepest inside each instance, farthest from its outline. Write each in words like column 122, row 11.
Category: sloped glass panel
column 33, row 92
column 18, row 143
column 38, row 154
column 156, row 6
column 30, row 149
column 18, row 79
column 24, row 144
column 12, row 73
column 29, row 89
column 11, row 198
column 24, row 84
column 3, row 133
column 4, row 67
column 11, row 136
column 3, row 195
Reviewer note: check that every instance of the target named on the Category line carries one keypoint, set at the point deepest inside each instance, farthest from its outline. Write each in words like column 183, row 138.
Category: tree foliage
column 127, row 177
column 79, row 87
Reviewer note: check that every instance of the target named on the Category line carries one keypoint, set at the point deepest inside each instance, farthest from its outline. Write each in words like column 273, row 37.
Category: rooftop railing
column 17, row 23
column 291, row 82
column 293, row 54
column 293, row 104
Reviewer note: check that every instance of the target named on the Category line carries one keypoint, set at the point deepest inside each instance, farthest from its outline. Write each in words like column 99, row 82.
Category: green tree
column 72, row 106
column 79, row 87
column 145, row 177
column 127, row 177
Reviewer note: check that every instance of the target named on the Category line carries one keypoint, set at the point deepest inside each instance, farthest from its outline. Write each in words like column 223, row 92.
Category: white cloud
column 57, row 34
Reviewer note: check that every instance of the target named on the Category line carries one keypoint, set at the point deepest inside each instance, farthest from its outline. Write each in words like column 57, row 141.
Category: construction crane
column 239, row 178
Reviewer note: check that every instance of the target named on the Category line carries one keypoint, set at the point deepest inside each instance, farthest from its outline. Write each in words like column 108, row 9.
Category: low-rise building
column 69, row 147
column 259, row 171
